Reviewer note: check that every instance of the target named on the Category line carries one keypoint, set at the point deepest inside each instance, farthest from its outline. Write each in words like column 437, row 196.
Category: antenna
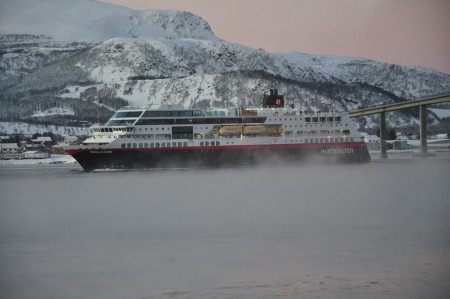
column 98, row 113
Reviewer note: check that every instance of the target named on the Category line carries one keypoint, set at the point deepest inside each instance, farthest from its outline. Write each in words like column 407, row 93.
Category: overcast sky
column 406, row 32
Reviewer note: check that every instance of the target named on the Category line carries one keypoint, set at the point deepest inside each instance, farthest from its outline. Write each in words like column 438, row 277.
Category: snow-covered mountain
column 84, row 70
column 90, row 20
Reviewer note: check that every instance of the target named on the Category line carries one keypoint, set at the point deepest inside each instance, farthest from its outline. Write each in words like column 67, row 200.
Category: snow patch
column 73, row 91
column 30, row 129
column 54, row 159
column 53, row 111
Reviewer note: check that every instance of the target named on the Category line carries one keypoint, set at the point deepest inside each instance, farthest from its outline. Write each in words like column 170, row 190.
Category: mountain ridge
column 94, row 21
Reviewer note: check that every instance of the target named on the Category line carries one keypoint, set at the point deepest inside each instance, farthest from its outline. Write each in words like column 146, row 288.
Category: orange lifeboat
column 230, row 130
column 275, row 131
column 255, row 129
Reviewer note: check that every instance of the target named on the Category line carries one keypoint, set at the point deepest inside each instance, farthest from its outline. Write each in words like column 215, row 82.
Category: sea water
column 376, row 230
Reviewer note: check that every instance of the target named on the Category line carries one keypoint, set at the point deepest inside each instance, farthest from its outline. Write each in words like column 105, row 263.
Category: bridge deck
column 403, row 105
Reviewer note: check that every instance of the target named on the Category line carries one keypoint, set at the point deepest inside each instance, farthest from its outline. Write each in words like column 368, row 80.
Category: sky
column 405, row 32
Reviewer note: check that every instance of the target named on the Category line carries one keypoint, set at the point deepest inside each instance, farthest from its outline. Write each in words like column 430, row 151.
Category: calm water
column 378, row 230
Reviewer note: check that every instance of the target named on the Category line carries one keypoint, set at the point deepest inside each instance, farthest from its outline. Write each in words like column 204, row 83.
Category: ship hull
column 216, row 156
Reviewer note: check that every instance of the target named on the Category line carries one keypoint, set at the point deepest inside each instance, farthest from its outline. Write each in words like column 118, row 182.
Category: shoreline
column 54, row 159
column 375, row 155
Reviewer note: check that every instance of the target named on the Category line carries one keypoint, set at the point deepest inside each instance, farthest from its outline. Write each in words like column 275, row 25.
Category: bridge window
column 186, row 113
column 123, row 114
column 121, row 122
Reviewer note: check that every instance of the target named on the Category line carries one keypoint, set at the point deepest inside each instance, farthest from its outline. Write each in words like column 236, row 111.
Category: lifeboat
column 275, row 132
column 255, row 129
column 230, row 130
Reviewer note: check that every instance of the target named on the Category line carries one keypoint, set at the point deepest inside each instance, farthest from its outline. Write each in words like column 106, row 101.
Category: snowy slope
column 89, row 20
column 30, row 129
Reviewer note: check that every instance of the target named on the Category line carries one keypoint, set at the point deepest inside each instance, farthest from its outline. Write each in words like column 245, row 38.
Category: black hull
column 138, row 158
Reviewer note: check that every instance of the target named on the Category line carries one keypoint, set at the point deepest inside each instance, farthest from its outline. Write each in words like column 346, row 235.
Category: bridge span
column 382, row 109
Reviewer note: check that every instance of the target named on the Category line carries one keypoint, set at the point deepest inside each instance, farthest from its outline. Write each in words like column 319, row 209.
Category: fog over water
column 377, row 230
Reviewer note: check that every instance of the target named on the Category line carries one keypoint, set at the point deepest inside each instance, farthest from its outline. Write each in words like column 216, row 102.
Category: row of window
column 217, row 143
column 165, row 144
column 110, row 130
column 313, row 126
column 158, row 113
column 328, row 140
column 197, row 113
column 190, row 121
column 315, row 119
column 191, row 136
column 150, row 136
column 120, row 122
column 199, row 121
column 315, row 132
column 173, row 113
column 154, row 144
column 124, row 114
column 321, row 140
column 322, row 119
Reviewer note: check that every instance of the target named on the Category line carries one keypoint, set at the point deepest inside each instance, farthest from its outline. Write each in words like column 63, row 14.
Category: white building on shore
column 9, row 151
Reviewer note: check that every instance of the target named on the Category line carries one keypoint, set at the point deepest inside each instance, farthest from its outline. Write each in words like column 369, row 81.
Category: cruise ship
column 174, row 137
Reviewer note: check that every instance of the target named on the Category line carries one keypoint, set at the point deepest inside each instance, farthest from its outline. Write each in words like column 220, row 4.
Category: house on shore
column 9, row 151
column 34, row 155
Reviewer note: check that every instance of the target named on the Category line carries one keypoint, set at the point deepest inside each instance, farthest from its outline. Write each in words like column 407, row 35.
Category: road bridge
column 382, row 109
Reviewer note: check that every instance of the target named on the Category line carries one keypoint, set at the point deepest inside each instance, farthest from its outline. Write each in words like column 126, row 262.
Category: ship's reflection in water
column 377, row 230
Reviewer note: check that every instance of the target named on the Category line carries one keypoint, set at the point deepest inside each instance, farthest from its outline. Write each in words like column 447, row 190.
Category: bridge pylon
column 383, row 135
column 423, row 129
